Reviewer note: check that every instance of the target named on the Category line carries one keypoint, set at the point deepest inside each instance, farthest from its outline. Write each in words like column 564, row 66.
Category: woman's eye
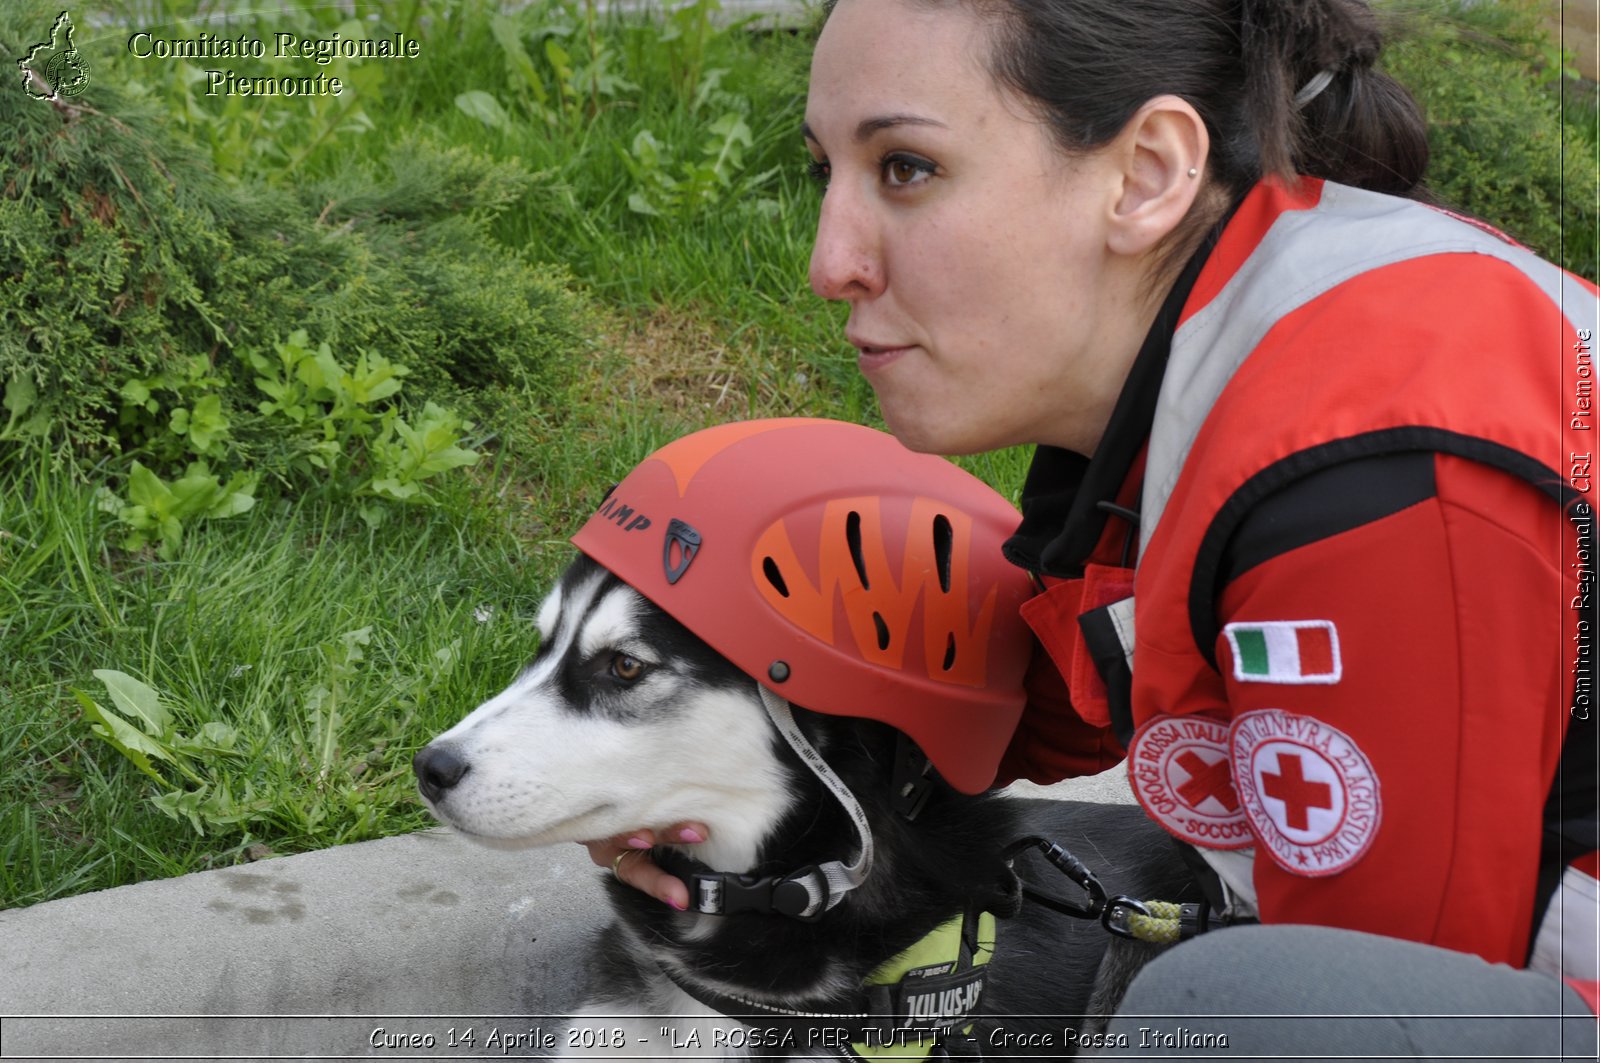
column 628, row 669
column 900, row 170
column 819, row 172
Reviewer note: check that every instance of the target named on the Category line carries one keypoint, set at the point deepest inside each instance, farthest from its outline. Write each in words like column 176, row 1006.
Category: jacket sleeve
column 1399, row 689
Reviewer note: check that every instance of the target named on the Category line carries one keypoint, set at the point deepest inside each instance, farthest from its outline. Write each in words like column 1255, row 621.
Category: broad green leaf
column 123, row 737
column 146, row 489
column 517, row 57
column 136, row 700
column 207, row 423
column 393, row 488
column 135, row 391
column 21, row 395
column 238, row 497
column 484, row 107
column 215, row 738
column 374, row 378
column 559, row 60
column 447, row 458
column 184, row 804
column 353, row 642
column 195, row 492
column 446, row 658
column 106, row 501
column 171, row 538
column 647, row 149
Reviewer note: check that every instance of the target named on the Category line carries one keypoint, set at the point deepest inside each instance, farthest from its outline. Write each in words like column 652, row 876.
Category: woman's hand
column 628, row 857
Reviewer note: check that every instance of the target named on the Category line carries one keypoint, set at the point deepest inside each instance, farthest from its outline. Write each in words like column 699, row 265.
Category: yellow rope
column 1160, row 927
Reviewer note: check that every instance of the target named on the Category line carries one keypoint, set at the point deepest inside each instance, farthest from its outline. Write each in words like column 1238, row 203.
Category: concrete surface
column 363, row 951
column 424, row 925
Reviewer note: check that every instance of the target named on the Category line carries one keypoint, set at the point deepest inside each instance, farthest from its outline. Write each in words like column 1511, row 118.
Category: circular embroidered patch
column 1178, row 768
column 1308, row 790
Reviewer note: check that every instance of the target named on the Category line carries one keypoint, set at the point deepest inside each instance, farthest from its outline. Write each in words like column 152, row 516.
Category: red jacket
column 1358, row 444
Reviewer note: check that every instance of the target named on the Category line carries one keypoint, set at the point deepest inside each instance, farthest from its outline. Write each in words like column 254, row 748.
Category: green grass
column 238, row 631
column 732, row 255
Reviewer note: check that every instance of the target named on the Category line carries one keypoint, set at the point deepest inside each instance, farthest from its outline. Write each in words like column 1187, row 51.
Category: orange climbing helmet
column 842, row 571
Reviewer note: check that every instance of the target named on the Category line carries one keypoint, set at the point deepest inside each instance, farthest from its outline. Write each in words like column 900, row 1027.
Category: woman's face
column 984, row 303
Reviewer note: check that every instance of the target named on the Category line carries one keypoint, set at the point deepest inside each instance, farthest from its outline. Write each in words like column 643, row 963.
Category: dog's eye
column 628, row 669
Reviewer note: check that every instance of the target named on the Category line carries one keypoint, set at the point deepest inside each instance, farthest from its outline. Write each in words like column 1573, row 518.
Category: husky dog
column 626, row 719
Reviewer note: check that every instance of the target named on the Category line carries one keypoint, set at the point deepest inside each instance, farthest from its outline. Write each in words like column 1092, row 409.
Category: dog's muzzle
column 438, row 769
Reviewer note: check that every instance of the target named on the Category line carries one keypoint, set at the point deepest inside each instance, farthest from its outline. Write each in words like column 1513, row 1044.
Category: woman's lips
column 872, row 357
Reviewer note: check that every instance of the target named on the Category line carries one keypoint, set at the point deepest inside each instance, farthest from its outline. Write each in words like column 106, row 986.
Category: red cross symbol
column 1206, row 780
column 1298, row 794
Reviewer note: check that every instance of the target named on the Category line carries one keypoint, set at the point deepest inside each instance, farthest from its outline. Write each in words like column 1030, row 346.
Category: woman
column 1331, row 429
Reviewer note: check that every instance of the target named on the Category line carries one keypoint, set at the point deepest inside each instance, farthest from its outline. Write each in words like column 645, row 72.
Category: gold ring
column 616, row 862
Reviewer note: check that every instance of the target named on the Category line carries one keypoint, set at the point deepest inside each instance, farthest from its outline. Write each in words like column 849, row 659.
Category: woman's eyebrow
column 870, row 127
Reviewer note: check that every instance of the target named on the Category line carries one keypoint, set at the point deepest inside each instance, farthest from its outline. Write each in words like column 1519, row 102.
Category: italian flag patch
column 1285, row 651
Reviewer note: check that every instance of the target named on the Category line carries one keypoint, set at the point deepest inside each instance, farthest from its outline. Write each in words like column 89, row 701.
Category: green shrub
column 1488, row 76
column 139, row 286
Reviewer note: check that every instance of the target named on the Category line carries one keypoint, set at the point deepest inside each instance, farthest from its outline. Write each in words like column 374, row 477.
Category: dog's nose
column 438, row 769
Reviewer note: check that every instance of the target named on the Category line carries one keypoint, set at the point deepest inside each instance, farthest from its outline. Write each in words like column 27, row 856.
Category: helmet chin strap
column 809, row 892
column 840, row 877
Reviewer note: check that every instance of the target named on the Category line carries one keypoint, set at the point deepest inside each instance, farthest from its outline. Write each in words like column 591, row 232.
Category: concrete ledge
column 425, row 925
column 355, row 952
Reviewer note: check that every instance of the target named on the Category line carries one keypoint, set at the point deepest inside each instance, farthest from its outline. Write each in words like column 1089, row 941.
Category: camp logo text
column 282, row 47
column 54, row 68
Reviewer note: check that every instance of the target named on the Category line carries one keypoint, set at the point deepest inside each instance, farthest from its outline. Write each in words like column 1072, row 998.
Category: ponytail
column 1315, row 105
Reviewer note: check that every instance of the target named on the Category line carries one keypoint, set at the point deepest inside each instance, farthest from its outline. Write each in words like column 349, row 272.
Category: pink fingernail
column 693, row 837
column 678, row 905
column 638, row 843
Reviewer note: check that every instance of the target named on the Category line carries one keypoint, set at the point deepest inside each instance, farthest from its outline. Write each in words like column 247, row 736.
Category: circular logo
column 66, row 73
column 1179, row 770
column 1307, row 789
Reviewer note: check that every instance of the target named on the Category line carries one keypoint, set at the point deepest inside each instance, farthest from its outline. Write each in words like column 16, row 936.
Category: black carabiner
column 1068, row 865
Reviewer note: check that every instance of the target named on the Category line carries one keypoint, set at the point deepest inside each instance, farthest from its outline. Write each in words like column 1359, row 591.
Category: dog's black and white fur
column 625, row 719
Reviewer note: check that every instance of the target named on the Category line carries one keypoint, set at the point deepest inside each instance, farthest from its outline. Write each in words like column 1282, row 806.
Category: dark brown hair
column 1087, row 66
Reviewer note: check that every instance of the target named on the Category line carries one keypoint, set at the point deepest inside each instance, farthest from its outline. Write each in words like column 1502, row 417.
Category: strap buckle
column 911, row 782
column 1115, row 916
column 801, row 895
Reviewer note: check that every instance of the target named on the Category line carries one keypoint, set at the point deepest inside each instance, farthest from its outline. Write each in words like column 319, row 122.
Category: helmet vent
column 943, row 541
column 769, row 568
column 883, row 630
column 950, row 651
column 852, row 537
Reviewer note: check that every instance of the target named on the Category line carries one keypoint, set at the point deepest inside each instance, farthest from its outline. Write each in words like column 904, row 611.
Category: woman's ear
column 1162, row 154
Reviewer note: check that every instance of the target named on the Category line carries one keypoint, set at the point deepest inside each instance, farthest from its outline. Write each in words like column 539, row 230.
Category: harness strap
column 916, row 1000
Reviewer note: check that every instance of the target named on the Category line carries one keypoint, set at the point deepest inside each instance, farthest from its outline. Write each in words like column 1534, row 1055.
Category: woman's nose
column 846, row 260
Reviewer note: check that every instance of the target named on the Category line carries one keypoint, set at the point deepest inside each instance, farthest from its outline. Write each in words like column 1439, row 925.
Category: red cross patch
column 1308, row 791
column 1178, row 768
